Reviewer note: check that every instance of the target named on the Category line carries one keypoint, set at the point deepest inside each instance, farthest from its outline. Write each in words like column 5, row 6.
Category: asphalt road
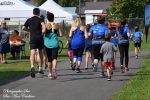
column 70, row 85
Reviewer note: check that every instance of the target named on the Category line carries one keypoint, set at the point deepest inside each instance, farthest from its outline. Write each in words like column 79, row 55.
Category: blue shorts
column 4, row 48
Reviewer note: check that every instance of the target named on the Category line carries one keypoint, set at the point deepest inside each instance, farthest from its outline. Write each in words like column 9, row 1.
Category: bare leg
column 86, row 59
column 32, row 57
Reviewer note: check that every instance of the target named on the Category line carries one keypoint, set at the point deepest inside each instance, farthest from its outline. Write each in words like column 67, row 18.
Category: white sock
column 40, row 68
column 32, row 66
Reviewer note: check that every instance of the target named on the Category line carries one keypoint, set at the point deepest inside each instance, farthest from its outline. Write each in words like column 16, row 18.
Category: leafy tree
column 127, row 8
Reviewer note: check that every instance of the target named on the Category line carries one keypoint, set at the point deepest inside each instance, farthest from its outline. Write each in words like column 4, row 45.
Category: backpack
column 78, row 39
column 51, row 38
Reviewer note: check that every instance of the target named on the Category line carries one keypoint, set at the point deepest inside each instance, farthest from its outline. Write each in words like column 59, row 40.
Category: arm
column 60, row 32
column 25, row 27
column 71, row 32
column 43, row 28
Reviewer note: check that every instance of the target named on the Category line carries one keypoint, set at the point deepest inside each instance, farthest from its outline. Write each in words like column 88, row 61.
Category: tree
column 38, row 2
column 127, row 8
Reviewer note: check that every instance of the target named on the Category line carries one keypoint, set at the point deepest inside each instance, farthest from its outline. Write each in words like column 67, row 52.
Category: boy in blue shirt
column 137, row 38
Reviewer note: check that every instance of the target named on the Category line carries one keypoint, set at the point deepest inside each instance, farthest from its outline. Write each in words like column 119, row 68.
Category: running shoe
column 50, row 76
column 122, row 69
column 136, row 57
column 95, row 68
column 102, row 75
column 73, row 67
column 41, row 72
column 109, row 78
column 54, row 74
column 46, row 67
column 32, row 73
column 78, row 70
column 126, row 69
column 86, row 68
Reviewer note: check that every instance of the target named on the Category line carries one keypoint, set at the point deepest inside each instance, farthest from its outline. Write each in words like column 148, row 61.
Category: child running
column 137, row 38
column 114, row 40
column 70, row 52
column 108, row 50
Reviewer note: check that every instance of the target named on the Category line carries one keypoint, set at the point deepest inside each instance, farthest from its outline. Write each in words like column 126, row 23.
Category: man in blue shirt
column 98, row 32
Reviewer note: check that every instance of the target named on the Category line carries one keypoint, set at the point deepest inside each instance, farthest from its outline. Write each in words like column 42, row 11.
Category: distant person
column 51, row 44
column 36, row 28
column 114, row 40
column 88, row 48
column 124, row 35
column 16, row 43
column 98, row 32
column 137, row 38
column 108, row 49
column 70, row 52
column 78, row 33
column 4, row 41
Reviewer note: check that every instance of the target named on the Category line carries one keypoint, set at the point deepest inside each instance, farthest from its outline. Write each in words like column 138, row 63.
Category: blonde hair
column 77, row 22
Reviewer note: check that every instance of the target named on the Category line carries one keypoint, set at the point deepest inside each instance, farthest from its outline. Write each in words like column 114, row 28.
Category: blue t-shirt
column 114, row 40
column 137, row 36
column 122, row 35
column 98, row 32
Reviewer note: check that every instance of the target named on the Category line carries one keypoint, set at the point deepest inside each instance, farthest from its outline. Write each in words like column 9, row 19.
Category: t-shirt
column 137, row 36
column 122, row 36
column 35, row 28
column 98, row 32
column 108, row 50
column 4, row 36
column 114, row 40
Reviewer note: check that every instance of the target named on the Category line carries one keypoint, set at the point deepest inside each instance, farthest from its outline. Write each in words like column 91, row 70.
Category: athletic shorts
column 52, row 53
column 96, row 51
column 70, row 53
column 108, row 64
column 37, row 44
column 137, row 44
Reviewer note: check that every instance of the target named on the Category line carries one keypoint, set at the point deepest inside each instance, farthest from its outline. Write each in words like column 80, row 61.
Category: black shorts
column 52, row 53
column 16, row 49
column 137, row 44
column 37, row 44
column 96, row 51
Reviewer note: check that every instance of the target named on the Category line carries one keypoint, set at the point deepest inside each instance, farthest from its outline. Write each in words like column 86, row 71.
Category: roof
column 96, row 6
column 70, row 9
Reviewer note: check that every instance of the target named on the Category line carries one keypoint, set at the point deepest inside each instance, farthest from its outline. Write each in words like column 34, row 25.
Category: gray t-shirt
column 108, row 50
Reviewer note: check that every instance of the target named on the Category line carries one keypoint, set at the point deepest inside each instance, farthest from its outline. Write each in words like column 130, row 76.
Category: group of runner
column 98, row 41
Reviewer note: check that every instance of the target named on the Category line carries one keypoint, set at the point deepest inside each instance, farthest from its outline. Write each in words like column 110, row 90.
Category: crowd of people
column 98, row 41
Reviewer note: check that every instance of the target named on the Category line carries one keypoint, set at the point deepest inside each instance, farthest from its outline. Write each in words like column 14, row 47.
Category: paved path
column 70, row 85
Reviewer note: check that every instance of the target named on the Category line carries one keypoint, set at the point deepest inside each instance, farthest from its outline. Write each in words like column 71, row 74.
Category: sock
column 32, row 66
column 40, row 68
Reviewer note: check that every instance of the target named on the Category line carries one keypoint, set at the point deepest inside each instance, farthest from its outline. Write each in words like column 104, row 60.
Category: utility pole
column 79, row 7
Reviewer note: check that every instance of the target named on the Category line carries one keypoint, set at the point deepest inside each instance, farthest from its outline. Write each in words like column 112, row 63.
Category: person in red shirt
column 16, row 43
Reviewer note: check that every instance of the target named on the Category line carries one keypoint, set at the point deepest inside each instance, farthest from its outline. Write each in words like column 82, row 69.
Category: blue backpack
column 78, row 39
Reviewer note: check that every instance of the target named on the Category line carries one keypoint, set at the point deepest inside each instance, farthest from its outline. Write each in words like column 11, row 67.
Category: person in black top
column 36, row 27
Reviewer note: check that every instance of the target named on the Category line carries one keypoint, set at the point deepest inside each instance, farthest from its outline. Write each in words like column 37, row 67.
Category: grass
column 138, row 88
column 13, row 70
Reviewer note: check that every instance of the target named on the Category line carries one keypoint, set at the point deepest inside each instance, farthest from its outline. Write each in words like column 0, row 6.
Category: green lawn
column 13, row 70
column 138, row 88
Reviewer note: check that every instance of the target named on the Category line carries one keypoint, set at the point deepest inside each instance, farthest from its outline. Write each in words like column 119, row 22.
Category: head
column 123, row 21
column 100, row 20
column 136, row 28
column 42, row 17
column 36, row 11
column 77, row 22
column 3, row 24
column 15, row 32
column 50, row 17
column 107, row 37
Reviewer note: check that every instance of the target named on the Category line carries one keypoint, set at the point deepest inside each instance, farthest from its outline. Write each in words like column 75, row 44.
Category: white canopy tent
column 16, row 9
column 58, row 11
